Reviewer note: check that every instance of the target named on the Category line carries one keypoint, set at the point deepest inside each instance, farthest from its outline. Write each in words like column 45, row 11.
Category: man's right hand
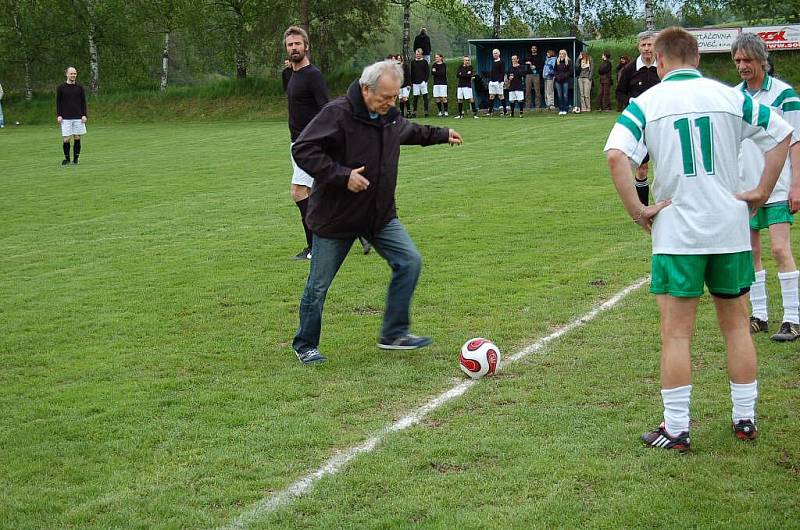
column 357, row 182
column 59, row 119
column 754, row 198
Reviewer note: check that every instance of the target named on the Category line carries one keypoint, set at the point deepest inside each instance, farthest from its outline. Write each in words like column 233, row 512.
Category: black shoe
column 745, row 430
column 788, row 332
column 426, row 114
column 758, row 326
column 303, row 254
column 75, row 161
column 311, row 356
column 661, row 438
column 65, row 162
column 404, row 342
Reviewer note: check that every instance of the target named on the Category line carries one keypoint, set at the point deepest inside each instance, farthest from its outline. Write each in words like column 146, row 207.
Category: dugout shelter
column 481, row 50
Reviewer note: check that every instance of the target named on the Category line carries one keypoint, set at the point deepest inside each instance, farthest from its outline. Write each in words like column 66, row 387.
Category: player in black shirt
column 405, row 87
column 496, row 79
column 71, row 114
column 516, row 75
column 419, row 81
column 464, row 90
column 439, row 73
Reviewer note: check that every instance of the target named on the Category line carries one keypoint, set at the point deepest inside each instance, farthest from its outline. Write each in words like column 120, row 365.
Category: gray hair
column 647, row 34
column 372, row 74
column 751, row 45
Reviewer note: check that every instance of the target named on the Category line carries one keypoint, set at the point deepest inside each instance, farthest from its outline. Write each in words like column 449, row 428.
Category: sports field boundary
column 333, row 465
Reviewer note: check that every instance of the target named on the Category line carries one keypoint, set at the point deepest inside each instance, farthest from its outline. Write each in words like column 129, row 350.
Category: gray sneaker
column 311, row 356
column 404, row 342
column 788, row 332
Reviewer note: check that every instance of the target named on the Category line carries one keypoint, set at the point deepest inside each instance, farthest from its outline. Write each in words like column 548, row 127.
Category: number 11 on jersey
column 706, row 134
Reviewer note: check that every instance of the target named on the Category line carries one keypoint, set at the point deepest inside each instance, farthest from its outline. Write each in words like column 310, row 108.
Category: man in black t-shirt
column 464, row 90
column 71, row 114
column 306, row 94
column 533, row 81
column 419, row 81
column 439, row 73
column 515, row 76
column 496, row 79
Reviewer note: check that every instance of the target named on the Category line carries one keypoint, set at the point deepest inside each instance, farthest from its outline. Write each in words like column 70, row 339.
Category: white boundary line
column 337, row 462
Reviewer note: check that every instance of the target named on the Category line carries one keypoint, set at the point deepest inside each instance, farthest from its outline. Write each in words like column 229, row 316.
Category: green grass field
column 148, row 305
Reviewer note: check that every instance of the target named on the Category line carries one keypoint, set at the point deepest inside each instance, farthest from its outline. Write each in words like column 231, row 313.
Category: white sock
column 789, row 293
column 676, row 409
column 744, row 397
column 758, row 295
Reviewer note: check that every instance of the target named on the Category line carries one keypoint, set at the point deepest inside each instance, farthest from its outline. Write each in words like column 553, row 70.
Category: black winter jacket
column 342, row 137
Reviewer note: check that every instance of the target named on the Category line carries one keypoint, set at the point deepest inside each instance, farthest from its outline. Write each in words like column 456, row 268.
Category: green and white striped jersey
column 783, row 99
column 693, row 129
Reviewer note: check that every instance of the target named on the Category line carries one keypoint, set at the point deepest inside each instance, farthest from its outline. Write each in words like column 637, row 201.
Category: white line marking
column 338, row 461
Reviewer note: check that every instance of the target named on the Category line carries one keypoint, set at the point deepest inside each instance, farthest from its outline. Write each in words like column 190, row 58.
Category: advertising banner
column 715, row 40
column 778, row 37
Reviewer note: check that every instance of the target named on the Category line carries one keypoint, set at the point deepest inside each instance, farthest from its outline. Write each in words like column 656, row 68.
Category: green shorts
column 772, row 214
column 726, row 275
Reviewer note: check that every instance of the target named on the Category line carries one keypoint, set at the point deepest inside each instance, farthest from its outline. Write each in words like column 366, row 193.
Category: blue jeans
column 395, row 246
column 1, row 115
column 562, row 89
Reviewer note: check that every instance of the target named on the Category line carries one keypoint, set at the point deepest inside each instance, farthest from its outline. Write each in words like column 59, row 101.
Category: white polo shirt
column 782, row 98
column 693, row 129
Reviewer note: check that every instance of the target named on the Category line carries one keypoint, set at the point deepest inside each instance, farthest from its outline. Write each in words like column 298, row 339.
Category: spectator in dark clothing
column 533, row 81
column 604, row 72
column 621, row 98
column 423, row 42
column 563, row 73
column 352, row 148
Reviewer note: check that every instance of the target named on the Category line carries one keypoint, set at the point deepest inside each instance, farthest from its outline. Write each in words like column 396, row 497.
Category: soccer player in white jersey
column 692, row 128
column 750, row 56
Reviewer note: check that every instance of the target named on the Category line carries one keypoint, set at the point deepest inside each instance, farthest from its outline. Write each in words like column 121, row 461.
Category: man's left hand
column 83, row 119
column 454, row 138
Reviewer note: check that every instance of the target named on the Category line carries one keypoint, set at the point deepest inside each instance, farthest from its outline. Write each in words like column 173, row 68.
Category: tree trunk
column 94, row 65
column 25, row 54
column 239, row 44
column 649, row 17
column 496, row 25
column 407, row 55
column 576, row 19
column 305, row 15
column 165, row 62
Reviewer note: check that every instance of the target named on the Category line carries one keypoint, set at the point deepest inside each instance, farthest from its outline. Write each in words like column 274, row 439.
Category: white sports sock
column 758, row 295
column 676, row 409
column 789, row 293
column 744, row 397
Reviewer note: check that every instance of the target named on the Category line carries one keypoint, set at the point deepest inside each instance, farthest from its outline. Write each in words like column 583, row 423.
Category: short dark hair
column 677, row 44
column 296, row 30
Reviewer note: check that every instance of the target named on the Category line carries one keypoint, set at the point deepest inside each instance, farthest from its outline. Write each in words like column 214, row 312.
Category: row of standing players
column 523, row 83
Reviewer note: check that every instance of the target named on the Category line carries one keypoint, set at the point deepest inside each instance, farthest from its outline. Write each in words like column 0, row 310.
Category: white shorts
column 440, row 91
column 420, row 89
column 300, row 177
column 516, row 95
column 70, row 127
column 495, row 88
column 464, row 92
column 404, row 92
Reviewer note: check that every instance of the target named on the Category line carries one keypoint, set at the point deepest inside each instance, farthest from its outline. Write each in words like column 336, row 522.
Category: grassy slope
column 147, row 378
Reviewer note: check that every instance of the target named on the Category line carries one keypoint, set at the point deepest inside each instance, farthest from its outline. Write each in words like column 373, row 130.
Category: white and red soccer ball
column 479, row 357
